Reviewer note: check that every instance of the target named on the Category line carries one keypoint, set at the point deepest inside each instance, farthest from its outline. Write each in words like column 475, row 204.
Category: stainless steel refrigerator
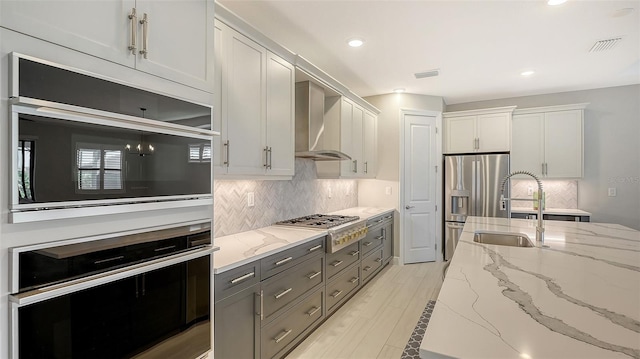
column 472, row 188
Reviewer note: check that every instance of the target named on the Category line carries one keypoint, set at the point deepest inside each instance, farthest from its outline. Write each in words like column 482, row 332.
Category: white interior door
column 419, row 188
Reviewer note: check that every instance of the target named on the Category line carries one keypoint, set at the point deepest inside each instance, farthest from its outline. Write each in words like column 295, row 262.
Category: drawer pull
column 380, row 220
column 379, row 238
column 243, row 278
column 315, row 248
column 108, row 260
column 163, row 248
column 378, row 260
column 388, row 217
column 366, row 269
column 313, row 311
column 284, row 335
column 354, row 279
column 336, row 263
column 354, row 253
column 336, row 294
column 281, row 294
column 367, row 244
column 281, row 262
column 311, row 276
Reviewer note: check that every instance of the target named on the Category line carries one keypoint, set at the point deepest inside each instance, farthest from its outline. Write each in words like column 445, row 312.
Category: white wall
column 611, row 148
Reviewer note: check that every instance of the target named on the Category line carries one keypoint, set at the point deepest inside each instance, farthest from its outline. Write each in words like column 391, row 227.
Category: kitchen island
column 577, row 298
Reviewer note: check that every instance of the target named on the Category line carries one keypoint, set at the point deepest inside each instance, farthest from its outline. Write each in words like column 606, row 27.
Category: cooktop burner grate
column 322, row 221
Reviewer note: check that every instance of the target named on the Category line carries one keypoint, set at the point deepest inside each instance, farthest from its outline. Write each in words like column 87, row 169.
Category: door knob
column 409, row 207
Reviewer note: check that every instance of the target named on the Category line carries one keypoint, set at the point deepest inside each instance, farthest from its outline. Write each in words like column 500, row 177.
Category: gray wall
column 611, row 148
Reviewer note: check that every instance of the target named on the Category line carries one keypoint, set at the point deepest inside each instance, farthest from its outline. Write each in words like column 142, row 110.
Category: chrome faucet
column 540, row 226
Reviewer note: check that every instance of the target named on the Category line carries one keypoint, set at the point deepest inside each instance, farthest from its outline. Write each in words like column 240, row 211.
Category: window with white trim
column 200, row 152
column 99, row 168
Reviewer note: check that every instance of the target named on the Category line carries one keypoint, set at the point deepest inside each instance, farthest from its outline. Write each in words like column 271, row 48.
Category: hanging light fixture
column 142, row 149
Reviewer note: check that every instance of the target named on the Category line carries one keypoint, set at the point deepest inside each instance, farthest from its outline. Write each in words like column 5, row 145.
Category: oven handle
column 57, row 290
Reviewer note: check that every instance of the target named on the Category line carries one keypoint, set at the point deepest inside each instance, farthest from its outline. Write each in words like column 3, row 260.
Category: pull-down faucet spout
column 540, row 226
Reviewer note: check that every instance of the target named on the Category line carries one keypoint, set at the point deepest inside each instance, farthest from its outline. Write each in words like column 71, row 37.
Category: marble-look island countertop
column 560, row 211
column 245, row 247
column 578, row 298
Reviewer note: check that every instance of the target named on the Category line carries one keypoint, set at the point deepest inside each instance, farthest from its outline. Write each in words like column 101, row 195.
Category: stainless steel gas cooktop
column 322, row 221
column 342, row 230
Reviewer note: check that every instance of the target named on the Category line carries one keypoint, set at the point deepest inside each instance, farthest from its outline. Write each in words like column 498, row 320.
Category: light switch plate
column 612, row 192
column 530, row 191
column 387, row 190
column 251, row 199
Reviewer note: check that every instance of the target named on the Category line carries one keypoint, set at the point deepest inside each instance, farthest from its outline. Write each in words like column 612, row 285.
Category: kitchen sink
column 503, row 239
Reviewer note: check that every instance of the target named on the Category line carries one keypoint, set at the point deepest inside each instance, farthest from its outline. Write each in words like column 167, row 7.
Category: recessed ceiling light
column 556, row 2
column 356, row 42
column 527, row 73
column 399, row 90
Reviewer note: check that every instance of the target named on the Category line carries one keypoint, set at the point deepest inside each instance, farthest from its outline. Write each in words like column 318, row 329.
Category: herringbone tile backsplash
column 278, row 200
column 558, row 194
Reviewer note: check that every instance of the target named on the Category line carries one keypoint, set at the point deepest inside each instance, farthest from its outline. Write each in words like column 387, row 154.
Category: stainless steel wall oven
column 143, row 294
column 86, row 145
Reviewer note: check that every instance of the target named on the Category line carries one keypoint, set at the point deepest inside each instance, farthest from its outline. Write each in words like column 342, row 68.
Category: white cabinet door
column 356, row 139
column 370, row 145
column 99, row 28
column 461, row 134
column 527, row 148
column 493, row 132
column 347, row 168
column 219, row 152
column 179, row 41
column 280, row 116
column 563, row 143
column 244, row 124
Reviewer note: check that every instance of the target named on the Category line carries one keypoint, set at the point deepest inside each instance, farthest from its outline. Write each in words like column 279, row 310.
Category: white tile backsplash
column 278, row 200
column 558, row 193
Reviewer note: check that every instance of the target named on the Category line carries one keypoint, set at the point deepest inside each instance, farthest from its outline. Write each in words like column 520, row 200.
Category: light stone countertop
column 245, row 247
column 578, row 298
column 560, row 211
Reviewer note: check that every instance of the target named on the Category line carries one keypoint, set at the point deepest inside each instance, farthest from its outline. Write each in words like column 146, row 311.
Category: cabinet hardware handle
column 354, row 279
column 354, row 253
column 269, row 152
column 366, row 167
column 542, row 168
column 478, row 143
column 336, row 263
column 226, row 146
column 336, row 294
column 284, row 335
column 314, row 275
column 388, row 217
column 366, row 269
column 380, row 220
column 355, row 166
column 367, row 244
column 108, row 260
column 144, row 285
column 281, row 294
column 313, row 311
column 164, row 248
column 369, row 226
column 243, row 278
column 266, row 157
column 379, row 238
column 134, row 22
column 546, row 169
column 283, row 261
column 378, row 260
column 315, row 248
column 261, row 295
column 145, row 35
column 199, row 242
column 384, row 233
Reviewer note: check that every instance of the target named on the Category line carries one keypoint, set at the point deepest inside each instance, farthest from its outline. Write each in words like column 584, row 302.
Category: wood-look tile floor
column 378, row 320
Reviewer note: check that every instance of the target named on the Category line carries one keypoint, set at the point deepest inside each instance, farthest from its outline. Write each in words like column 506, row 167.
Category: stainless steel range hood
column 310, row 126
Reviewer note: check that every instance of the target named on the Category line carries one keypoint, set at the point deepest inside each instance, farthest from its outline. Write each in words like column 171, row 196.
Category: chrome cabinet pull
column 134, row 34
column 281, row 294
column 355, row 166
column 380, row 220
column 378, row 260
column 313, row 311
column 266, row 157
column 242, row 278
column 354, row 253
column 354, row 279
column 100, row 261
column 226, row 146
column 384, row 233
column 388, row 217
column 145, row 35
column 314, row 275
column 366, row 269
column 336, row 263
column 261, row 295
column 269, row 152
column 367, row 244
column 366, row 167
column 164, row 248
column 379, row 238
column 315, row 248
column 336, row 294
column 284, row 335
column 283, row 261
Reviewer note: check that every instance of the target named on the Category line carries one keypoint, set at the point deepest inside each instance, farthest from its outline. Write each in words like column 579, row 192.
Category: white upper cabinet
column 549, row 141
column 485, row 130
column 370, row 145
column 255, row 106
column 169, row 39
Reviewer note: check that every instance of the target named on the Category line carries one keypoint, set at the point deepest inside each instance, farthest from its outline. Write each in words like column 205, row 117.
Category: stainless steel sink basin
column 503, row 239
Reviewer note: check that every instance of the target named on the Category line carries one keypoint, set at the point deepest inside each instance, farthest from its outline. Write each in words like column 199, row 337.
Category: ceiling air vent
column 604, row 45
column 430, row 73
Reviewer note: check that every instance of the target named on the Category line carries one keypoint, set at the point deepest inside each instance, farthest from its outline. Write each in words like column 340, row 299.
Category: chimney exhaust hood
column 310, row 127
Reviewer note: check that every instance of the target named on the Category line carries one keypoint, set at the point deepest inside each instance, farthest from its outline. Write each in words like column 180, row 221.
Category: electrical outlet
column 251, row 199
column 530, row 191
column 387, row 190
column 612, row 192
column 329, row 192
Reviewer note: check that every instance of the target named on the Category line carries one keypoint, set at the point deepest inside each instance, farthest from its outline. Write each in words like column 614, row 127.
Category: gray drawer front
column 373, row 240
column 278, row 262
column 338, row 261
column 235, row 280
column 291, row 325
column 284, row 288
column 371, row 264
column 344, row 284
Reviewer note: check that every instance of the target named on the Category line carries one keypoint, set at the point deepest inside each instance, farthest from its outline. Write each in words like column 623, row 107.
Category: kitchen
column 610, row 129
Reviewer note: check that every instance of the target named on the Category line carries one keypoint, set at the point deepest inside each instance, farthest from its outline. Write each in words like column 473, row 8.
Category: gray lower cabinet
column 342, row 259
column 342, row 287
column 387, row 249
column 236, row 325
column 371, row 264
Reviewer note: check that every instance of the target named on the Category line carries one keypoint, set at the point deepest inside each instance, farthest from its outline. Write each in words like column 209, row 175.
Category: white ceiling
column 480, row 47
